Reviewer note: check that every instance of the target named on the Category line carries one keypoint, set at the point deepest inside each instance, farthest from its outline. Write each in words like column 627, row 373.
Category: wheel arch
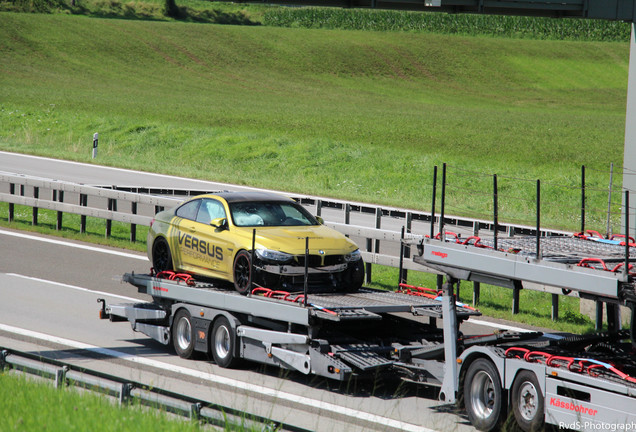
column 151, row 248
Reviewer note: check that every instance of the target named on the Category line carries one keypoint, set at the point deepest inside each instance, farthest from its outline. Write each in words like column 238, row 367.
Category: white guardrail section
column 378, row 246
column 104, row 204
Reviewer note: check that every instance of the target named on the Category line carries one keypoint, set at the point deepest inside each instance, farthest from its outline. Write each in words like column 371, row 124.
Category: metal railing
column 138, row 205
column 127, row 391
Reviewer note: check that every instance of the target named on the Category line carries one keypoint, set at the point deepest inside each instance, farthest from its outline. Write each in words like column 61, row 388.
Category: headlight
column 272, row 255
column 353, row 256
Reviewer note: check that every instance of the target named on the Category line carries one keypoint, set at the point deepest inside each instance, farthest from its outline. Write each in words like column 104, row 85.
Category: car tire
column 183, row 334
column 354, row 276
column 528, row 402
column 223, row 343
column 483, row 396
column 242, row 272
column 161, row 255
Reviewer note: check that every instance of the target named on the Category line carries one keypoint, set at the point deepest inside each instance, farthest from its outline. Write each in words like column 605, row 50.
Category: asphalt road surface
column 49, row 289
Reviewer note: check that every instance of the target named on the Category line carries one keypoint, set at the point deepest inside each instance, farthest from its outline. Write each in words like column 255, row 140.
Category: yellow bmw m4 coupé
column 212, row 235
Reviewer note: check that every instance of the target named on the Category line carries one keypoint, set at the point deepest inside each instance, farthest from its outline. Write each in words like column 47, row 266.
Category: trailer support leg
column 450, row 384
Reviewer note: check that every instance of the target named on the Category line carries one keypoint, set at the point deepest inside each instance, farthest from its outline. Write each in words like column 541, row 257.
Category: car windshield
column 270, row 213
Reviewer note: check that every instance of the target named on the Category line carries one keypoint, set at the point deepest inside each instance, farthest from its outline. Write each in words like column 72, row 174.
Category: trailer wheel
column 223, row 343
column 161, row 255
column 243, row 272
column 528, row 402
column 483, row 395
column 183, row 334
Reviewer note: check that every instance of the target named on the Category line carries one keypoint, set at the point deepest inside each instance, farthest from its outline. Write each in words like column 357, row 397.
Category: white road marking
column 265, row 391
column 498, row 326
column 63, row 285
column 74, row 245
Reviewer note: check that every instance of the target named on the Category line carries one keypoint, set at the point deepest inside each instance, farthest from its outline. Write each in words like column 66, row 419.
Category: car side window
column 210, row 209
column 189, row 210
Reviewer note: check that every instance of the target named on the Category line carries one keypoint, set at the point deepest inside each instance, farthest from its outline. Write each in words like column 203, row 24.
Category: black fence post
column 11, row 205
column 555, row 307
column 443, row 204
column 133, row 227
column 583, row 199
column 495, row 204
column 60, row 214
column 476, row 292
column 36, row 195
column 538, row 219
column 433, row 205
column 83, row 201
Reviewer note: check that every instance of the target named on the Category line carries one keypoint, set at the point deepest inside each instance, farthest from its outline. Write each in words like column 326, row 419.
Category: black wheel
column 483, row 395
column 223, row 342
column 353, row 277
column 183, row 334
column 528, row 402
column 161, row 255
column 243, row 272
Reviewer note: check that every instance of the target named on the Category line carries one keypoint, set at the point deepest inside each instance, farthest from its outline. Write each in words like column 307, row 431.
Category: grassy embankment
column 29, row 405
column 351, row 114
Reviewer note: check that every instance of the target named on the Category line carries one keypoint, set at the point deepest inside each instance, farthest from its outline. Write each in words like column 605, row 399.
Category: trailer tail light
column 152, row 222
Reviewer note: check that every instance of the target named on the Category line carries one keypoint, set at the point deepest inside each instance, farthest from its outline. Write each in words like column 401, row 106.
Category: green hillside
column 350, row 114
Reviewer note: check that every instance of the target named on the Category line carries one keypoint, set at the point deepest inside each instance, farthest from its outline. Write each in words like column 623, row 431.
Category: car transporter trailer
column 571, row 381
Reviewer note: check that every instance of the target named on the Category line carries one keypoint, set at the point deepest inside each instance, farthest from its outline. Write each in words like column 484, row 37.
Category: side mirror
column 219, row 223
column 320, row 220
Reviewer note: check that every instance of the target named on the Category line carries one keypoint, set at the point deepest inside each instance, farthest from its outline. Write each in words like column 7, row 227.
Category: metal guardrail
column 126, row 391
column 143, row 203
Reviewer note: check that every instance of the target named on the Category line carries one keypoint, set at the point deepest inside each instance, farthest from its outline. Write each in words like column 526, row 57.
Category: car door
column 184, row 225
column 214, row 244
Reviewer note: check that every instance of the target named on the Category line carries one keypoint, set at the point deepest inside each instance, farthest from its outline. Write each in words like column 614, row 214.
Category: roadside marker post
column 95, row 137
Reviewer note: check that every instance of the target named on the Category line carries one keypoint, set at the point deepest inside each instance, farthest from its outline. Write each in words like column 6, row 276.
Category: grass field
column 30, row 405
column 350, row 114
column 361, row 115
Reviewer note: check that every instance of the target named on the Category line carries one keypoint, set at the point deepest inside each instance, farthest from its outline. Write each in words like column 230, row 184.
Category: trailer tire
column 161, row 255
column 483, row 395
column 183, row 334
column 223, row 343
column 242, row 272
column 528, row 402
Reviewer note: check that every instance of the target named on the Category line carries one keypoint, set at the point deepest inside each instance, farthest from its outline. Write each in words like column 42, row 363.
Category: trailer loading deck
column 578, row 382
column 574, row 382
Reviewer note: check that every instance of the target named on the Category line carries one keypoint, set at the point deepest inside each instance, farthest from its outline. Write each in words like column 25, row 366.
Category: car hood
column 292, row 240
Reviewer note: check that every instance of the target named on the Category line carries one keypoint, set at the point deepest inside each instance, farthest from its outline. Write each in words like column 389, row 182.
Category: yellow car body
column 212, row 235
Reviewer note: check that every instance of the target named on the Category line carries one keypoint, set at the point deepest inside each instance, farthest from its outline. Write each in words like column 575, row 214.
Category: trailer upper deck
column 365, row 304
column 592, row 267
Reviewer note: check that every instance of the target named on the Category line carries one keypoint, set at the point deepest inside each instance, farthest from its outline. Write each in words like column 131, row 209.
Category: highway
column 49, row 306
column 49, row 288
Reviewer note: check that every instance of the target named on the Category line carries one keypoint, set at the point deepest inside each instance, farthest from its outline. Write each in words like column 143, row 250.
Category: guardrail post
column 3, row 359
column 555, row 307
column 11, row 205
column 83, row 201
column 36, row 195
column 515, row 299
column 407, row 248
column 476, row 293
column 318, row 207
column 58, row 196
column 347, row 215
column 60, row 377
column 124, row 393
column 599, row 315
column 112, row 206
column 133, row 227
